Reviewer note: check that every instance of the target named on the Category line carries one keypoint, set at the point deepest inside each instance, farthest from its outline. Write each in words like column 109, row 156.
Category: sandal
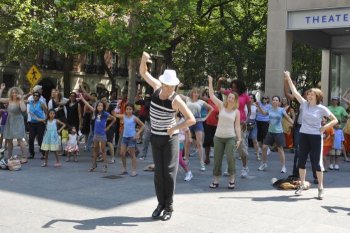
column 214, row 185
column 93, row 168
column 104, row 168
column 231, row 185
column 24, row 160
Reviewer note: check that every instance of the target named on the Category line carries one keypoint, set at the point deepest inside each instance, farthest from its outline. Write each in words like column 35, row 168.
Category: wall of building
column 279, row 40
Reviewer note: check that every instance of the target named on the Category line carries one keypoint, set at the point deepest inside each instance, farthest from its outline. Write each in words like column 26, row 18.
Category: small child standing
column 51, row 141
column 182, row 136
column 129, row 138
column 72, row 145
column 337, row 147
column 328, row 138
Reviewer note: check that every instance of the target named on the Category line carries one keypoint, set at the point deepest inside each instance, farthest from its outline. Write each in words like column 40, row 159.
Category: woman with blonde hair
column 195, row 105
column 227, row 136
column 14, row 128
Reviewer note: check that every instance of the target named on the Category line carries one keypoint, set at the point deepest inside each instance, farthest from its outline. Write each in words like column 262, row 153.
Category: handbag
column 250, row 125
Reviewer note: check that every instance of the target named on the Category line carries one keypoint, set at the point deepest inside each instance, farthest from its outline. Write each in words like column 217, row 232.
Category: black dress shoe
column 158, row 211
column 166, row 215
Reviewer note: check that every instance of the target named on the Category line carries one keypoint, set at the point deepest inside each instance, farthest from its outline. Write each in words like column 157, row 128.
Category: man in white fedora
column 165, row 143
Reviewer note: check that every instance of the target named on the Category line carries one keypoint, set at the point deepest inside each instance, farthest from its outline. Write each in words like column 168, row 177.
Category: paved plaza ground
column 70, row 199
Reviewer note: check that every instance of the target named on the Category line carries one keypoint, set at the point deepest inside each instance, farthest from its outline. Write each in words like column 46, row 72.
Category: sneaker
column 244, row 172
column 211, row 154
column 268, row 151
column 189, row 176
column 320, row 194
column 331, row 166
column 284, row 169
column 299, row 190
column 193, row 152
column 336, row 167
column 142, row 158
column 258, row 157
column 202, row 168
column 262, row 167
column 112, row 161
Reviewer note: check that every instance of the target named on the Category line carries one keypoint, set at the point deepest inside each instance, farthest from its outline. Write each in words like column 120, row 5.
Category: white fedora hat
column 37, row 88
column 169, row 78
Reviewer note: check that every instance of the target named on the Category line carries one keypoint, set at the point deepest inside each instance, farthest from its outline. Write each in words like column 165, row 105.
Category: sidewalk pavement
column 71, row 199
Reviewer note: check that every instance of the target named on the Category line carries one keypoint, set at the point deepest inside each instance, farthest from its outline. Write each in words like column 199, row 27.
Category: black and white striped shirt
column 162, row 114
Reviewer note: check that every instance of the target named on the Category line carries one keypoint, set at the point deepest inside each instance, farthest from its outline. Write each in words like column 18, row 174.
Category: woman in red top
column 209, row 126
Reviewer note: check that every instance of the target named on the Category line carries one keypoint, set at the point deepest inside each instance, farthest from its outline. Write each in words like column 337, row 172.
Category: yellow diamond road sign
column 33, row 75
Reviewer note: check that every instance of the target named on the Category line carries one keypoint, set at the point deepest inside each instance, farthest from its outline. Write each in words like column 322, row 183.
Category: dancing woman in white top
column 227, row 137
column 311, row 132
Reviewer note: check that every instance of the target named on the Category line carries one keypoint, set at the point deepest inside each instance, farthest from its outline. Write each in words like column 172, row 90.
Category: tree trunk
column 132, row 68
column 107, row 70
column 66, row 74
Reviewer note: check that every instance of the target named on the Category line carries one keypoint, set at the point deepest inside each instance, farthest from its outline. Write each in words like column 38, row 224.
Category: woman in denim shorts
column 195, row 105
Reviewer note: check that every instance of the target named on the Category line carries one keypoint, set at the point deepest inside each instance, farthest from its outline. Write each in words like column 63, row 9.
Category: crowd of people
column 224, row 119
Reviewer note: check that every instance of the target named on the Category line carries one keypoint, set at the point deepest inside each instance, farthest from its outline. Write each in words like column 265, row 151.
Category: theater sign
column 318, row 19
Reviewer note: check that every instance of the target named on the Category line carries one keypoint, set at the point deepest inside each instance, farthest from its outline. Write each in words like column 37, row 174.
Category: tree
column 228, row 38
column 306, row 65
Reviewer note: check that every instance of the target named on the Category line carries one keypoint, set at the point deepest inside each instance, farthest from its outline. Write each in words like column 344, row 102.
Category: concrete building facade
column 323, row 24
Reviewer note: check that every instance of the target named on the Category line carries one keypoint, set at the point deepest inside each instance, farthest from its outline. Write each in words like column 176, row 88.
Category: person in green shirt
column 338, row 111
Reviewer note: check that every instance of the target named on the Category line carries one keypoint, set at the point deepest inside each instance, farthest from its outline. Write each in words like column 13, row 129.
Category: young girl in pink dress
column 72, row 145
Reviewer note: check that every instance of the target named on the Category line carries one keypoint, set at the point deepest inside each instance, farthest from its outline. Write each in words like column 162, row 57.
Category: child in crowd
column 72, row 145
column 129, row 138
column 100, row 128
column 337, row 147
column 3, row 115
column 51, row 141
column 328, row 137
column 182, row 136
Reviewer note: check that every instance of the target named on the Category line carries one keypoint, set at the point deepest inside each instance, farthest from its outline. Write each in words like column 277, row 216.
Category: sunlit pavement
column 71, row 199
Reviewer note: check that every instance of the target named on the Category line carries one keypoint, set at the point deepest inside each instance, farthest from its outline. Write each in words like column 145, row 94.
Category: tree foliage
column 220, row 37
column 306, row 65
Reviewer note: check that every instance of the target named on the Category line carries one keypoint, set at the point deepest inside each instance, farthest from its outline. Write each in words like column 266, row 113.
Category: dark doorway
column 9, row 80
column 48, row 84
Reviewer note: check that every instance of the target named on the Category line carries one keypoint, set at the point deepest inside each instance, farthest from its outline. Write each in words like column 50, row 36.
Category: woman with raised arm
column 195, row 105
column 14, row 127
column 165, row 144
column 227, row 136
column 311, row 133
column 239, row 87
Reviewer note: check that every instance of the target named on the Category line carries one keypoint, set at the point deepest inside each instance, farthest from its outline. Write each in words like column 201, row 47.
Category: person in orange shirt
column 328, row 137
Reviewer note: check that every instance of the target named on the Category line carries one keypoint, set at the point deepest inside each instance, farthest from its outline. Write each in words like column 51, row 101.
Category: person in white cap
column 39, row 89
column 165, row 143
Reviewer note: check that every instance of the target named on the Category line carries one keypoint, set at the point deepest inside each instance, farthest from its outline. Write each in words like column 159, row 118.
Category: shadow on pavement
column 291, row 198
column 336, row 209
column 72, row 183
column 92, row 224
